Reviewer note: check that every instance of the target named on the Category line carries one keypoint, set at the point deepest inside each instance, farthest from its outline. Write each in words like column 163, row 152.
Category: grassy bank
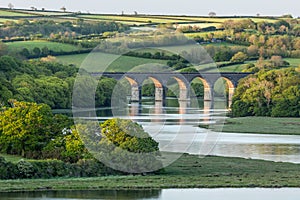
column 262, row 125
column 187, row 172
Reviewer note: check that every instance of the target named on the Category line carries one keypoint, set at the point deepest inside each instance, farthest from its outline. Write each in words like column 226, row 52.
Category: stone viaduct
column 160, row 80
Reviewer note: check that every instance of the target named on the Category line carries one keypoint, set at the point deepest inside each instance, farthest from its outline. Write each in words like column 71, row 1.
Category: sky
column 178, row 7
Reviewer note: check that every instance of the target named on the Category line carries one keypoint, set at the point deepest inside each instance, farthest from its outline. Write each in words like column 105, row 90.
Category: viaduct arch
column 184, row 81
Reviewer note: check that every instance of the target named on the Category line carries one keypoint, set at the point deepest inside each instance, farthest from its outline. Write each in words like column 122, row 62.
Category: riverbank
column 261, row 125
column 187, row 172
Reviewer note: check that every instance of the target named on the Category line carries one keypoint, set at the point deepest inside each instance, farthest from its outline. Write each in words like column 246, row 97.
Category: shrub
column 25, row 169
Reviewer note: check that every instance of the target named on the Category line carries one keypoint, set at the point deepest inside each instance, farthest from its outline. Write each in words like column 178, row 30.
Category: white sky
column 184, row 7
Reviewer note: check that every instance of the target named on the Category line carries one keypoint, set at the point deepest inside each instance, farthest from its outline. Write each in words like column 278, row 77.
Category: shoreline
column 188, row 172
column 258, row 125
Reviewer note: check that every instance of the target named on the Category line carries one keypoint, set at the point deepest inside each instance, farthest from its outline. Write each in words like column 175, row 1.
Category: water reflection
column 80, row 195
column 181, row 116
column 165, row 194
column 175, row 125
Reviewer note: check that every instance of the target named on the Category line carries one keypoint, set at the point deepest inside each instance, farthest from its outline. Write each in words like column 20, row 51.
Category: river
column 176, row 127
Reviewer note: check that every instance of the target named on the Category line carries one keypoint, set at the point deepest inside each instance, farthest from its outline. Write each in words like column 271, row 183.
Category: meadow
column 215, row 19
column 98, row 62
column 6, row 13
column 263, row 125
column 187, row 172
column 294, row 62
column 54, row 46
column 45, row 13
column 133, row 18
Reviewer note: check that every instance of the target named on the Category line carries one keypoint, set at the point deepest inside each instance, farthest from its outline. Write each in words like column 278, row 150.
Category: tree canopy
column 269, row 92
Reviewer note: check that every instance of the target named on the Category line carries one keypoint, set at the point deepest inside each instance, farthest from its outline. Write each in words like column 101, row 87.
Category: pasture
column 54, row 46
column 8, row 13
column 98, row 62
column 295, row 62
column 215, row 19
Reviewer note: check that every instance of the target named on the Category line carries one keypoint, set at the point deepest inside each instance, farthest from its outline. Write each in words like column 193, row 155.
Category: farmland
column 54, row 46
column 98, row 62
column 5, row 13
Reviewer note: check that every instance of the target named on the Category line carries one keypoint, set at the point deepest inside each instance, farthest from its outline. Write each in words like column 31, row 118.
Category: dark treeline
column 48, row 28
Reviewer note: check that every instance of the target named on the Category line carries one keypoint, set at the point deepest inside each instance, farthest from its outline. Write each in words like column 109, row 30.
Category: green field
column 54, row 46
column 98, row 62
column 295, row 62
column 215, row 19
column 2, row 20
column 13, row 14
column 46, row 13
column 187, row 172
column 181, row 20
column 133, row 18
column 262, row 125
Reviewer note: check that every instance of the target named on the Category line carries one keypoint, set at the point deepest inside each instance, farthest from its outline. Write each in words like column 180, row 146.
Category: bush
column 53, row 169
column 7, row 169
column 25, row 169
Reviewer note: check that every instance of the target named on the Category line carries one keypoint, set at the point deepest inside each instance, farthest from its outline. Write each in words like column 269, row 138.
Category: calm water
column 176, row 127
column 165, row 194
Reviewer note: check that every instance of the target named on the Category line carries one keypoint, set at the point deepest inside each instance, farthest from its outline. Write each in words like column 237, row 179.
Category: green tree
column 239, row 57
column 25, row 128
column 270, row 92
column 129, row 146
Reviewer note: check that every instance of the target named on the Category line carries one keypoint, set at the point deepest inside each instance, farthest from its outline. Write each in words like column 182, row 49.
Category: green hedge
column 53, row 169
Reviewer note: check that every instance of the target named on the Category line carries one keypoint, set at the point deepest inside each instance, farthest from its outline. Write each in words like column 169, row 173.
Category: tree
column 74, row 148
column 252, row 51
column 239, row 57
column 24, row 128
column 269, row 92
column 63, row 9
column 212, row 14
column 127, row 147
column 10, row 6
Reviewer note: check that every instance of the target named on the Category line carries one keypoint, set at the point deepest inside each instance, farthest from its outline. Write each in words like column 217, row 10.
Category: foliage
column 239, row 57
column 74, row 147
column 7, row 169
column 48, row 28
column 24, row 128
column 53, row 169
column 189, row 171
column 44, row 82
column 270, row 92
column 126, row 143
column 31, row 130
